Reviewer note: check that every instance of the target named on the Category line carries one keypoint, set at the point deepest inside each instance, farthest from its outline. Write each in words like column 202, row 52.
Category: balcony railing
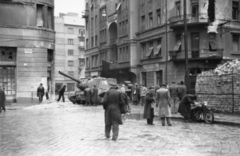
column 85, row 14
column 196, row 54
column 191, row 18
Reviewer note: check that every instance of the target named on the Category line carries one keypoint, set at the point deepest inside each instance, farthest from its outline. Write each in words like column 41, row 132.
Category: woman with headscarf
column 148, row 107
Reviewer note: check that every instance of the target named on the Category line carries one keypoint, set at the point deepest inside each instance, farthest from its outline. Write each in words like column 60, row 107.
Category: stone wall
column 219, row 91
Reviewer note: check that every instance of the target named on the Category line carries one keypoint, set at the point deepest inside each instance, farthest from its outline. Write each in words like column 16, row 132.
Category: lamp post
column 166, row 61
column 186, row 46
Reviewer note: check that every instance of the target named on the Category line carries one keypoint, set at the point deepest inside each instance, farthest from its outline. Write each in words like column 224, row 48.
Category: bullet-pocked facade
column 153, row 32
column 26, row 48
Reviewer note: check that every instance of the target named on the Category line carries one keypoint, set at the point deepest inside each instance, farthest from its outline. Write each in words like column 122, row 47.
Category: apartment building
column 144, row 40
column 70, row 45
column 26, row 48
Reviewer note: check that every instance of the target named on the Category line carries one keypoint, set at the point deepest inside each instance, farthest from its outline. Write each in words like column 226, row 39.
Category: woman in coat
column 185, row 106
column 148, row 110
column 164, row 103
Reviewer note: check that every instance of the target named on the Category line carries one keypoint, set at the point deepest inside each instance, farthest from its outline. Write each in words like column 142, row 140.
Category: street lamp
column 186, row 47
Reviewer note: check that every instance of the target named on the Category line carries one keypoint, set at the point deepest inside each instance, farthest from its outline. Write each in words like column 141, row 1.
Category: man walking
column 61, row 94
column 40, row 92
column 2, row 100
column 163, row 101
column 113, row 118
column 182, row 90
column 87, row 94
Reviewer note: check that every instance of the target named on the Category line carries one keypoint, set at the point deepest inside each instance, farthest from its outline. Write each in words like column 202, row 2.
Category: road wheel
column 209, row 117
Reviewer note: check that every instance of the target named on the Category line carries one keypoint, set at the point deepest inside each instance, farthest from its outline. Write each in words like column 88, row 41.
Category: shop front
column 151, row 75
column 8, row 72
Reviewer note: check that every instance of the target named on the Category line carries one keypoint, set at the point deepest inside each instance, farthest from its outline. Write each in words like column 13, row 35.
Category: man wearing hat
column 135, row 94
column 40, row 92
column 113, row 118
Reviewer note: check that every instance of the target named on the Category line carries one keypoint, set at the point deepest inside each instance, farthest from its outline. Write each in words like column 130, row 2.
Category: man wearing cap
column 113, row 118
column 40, row 92
column 2, row 100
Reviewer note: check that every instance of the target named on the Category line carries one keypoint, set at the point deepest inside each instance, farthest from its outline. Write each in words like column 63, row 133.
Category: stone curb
column 227, row 123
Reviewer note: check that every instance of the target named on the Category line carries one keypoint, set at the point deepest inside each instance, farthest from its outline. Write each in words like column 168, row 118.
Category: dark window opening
column 39, row 15
column 50, row 55
column 194, row 10
column 211, row 10
column 50, row 18
column 235, row 10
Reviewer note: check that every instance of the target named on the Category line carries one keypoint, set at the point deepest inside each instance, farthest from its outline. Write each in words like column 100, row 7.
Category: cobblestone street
column 69, row 130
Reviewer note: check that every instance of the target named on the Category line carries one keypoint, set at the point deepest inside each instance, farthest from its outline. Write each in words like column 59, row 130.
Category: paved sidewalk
column 233, row 120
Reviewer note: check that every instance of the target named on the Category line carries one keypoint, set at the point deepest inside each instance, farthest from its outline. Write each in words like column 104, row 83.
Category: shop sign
column 94, row 73
column 28, row 51
column 151, row 67
column 7, row 63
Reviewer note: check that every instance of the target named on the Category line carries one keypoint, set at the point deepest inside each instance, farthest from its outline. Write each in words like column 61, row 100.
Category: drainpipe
column 166, row 61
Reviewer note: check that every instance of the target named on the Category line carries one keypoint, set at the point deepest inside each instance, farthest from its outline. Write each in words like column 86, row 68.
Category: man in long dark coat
column 2, row 100
column 185, row 106
column 135, row 94
column 173, row 89
column 148, row 110
column 94, row 95
column 40, row 92
column 87, row 94
column 113, row 118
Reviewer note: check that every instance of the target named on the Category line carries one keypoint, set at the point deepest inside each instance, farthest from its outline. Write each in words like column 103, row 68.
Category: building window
column 50, row 18
column 120, row 28
column 87, row 62
column 195, row 41
column 70, row 52
column 235, row 10
column 126, row 27
column 195, row 9
column 159, row 75
column 40, row 15
column 70, row 63
column 87, row 43
column 95, row 21
column 144, row 78
column 178, row 46
column 81, row 32
column 159, row 17
column 70, row 87
column 92, row 42
column 127, row 54
column 150, row 20
column 92, row 22
column 70, row 30
column 143, row 48
column 235, row 39
column 158, row 49
column 96, row 41
column 178, row 8
column 143, row 22
column 70, row 41
column 71, row 73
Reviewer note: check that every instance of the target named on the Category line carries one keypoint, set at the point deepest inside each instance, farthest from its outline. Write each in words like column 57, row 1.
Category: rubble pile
column 221, row 86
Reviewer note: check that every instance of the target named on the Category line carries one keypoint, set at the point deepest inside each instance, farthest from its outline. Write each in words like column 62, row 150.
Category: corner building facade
column 154, row 33
column 26, row 48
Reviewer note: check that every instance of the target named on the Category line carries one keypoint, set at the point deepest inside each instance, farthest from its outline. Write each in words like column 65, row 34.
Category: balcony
column 85, row 14
column 192, row 19
column 202, row 54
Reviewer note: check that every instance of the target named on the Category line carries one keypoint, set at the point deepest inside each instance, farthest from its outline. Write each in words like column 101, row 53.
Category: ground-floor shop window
column 8, row 80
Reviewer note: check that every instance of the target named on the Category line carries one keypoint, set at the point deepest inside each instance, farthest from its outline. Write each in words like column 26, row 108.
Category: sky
column 65, row 6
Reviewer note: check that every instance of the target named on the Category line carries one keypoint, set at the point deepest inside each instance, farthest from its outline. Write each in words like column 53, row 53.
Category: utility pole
column 166, row 62
column 186, row 46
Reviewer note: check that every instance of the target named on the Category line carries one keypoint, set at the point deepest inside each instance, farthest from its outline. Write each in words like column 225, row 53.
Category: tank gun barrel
column 69, row 77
